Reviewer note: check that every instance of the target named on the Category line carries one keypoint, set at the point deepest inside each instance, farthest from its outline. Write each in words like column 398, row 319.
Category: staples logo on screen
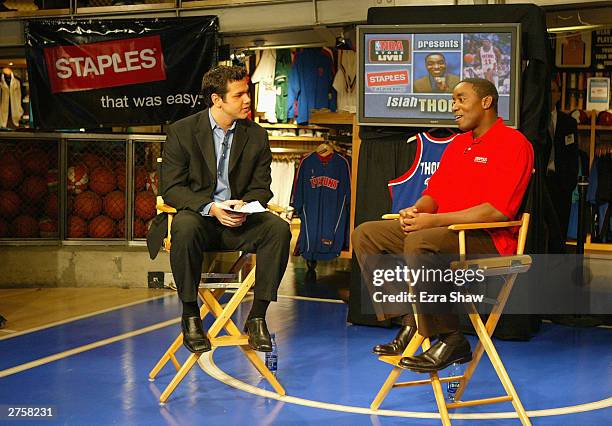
column 106, row 64
column 387, row 78
column 389, row 50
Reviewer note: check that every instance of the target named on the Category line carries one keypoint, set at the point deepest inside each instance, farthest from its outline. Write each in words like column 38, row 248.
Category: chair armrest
column 484, row 225
column 467, row 226
column 275, row 208
column 165, row 208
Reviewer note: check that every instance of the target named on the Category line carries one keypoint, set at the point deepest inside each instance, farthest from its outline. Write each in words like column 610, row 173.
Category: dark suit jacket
column 566, row 156
column 188, row 175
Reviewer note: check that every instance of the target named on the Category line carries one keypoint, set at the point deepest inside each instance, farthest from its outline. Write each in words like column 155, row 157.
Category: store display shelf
column 296, row 138
column 598, row 128
column 328, row 117
column 593, row 246
column 290, row 126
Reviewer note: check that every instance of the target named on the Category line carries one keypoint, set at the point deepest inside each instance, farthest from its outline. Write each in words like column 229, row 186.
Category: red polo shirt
column 494, row 168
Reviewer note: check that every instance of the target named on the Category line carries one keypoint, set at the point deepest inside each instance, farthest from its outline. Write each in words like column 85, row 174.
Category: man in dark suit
column 436, row 80
column 562, row 167
column 212, row 158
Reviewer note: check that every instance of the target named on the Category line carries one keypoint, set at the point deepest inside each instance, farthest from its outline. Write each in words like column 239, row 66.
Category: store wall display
column 11, row 109
column 91, row 74
column 28, row 190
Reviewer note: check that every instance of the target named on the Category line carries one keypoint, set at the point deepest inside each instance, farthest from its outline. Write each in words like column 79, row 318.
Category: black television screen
column 407, row 72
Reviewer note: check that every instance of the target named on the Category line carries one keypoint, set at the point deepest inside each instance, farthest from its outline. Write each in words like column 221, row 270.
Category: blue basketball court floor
column 94, row 371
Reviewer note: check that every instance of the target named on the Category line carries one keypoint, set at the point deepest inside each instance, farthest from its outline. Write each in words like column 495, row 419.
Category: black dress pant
column 265, row 234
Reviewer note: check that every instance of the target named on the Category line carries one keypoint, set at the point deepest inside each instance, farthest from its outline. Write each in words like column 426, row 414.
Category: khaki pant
column 386, row 237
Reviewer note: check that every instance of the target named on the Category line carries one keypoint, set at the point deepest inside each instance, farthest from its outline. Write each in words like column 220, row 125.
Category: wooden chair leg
column 410, row 350
column 263, row 370
column 386, row 388
column 440, row 401
column 498, row 365
column 492, row 321
column 191, row 360
column 175, row 346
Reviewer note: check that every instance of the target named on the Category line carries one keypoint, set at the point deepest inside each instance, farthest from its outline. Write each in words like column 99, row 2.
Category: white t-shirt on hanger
column 345, row 80
column 266, row 91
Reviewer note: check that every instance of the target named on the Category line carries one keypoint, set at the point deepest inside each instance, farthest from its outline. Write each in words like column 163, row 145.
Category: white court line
column 81, row 349
column 80, row 317
column 207, row 364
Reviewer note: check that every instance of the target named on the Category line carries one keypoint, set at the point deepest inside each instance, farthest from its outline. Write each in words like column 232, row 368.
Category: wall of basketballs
column 76, row 188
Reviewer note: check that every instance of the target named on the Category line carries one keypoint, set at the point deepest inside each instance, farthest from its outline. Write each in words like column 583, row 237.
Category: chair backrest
column 522, row 235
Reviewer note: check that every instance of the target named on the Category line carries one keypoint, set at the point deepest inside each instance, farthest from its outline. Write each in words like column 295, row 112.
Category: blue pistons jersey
column 321, row 198
column 406, row 189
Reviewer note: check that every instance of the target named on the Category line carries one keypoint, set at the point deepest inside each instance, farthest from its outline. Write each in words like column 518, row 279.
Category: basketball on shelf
column 10, row 204
column 25, row 227
column 47, row 228
column 153, row 183
column 11, row 173
column 35, row 162
column 604, row 118
column 34, row 188
column 140, row 178
column 102, row 180
column 87, row 205
column 77, row 227
column 144, row 206
column 52, row 179
column 580, row 116
column 101, row 227
column 4, row 229
column 77, row 178
column 51, row 206
column 114, row 205
column 120, row 229
column 120, row 175
column 90, row 160
column 140, row 229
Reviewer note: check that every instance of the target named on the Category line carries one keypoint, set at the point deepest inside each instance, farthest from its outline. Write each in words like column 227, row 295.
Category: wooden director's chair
column 506, row 266
column 210, row 294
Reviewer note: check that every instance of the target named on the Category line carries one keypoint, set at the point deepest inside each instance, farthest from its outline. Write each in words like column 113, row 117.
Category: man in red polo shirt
column 482, row 177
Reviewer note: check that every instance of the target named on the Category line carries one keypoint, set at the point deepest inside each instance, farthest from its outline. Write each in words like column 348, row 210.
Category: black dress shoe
column 438, row 357
column 259, row 337
column 397, row 345
column 194, row 338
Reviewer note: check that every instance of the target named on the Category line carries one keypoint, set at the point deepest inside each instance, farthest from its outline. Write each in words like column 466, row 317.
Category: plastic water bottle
column 451, row 387
column 271, row 358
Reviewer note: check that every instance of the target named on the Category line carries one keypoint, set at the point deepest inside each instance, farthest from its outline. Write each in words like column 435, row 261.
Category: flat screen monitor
column 407, row 72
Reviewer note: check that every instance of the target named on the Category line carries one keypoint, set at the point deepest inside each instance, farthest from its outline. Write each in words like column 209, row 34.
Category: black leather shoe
column 438, row 357
column 194, row 338
column 259, row 337
column 397, row 345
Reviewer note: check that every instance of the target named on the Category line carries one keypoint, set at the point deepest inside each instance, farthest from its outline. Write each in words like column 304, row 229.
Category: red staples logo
column 106, row 64
column 387, row 78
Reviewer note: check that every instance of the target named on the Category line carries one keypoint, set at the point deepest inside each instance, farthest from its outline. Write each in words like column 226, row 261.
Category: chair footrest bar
column 473, row 402
column 230, row 340
column 391, row 359
column 426, row 381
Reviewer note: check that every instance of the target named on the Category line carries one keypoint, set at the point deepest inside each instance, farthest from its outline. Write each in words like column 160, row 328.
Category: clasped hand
column 229, row 218
column 411, row 220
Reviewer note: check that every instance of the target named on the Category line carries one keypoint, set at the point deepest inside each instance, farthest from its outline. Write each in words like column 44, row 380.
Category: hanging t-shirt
column 310, row 84
column 281, row 82
column 406, row 189
column 345, row 81
column 266, row 91
column 282, row 173
column 321, row 198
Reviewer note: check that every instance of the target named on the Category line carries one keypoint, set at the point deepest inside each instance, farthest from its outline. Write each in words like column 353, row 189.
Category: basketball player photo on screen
column 436, row 72
column 487, row 55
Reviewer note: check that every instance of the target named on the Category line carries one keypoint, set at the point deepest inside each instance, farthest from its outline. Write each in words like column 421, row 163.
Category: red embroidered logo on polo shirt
column 482, row 160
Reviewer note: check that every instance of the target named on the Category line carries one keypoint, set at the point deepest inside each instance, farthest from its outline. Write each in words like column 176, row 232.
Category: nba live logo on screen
column 387, row 50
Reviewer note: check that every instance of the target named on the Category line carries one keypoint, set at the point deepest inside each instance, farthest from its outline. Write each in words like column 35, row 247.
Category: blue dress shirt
column 223, row 145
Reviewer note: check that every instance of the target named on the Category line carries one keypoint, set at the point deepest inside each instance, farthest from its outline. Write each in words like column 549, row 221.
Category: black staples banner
column 91, row 74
